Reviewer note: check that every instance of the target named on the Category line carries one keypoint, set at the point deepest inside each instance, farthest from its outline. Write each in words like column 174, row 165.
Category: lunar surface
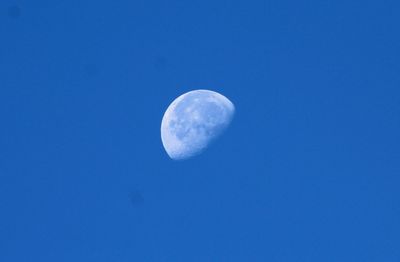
column 193, row 121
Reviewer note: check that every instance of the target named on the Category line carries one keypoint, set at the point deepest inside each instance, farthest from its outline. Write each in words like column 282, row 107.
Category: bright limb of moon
column 193, row 120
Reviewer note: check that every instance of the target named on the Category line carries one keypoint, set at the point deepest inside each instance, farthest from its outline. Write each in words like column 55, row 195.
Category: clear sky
column 308, row 171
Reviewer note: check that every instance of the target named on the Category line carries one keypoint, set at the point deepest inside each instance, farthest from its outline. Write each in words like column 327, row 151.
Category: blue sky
column 308, row 171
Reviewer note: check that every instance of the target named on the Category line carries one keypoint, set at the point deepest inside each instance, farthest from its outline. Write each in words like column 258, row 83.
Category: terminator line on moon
column 193, row 120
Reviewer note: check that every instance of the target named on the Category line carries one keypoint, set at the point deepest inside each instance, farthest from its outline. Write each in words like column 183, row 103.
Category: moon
column 194, row 120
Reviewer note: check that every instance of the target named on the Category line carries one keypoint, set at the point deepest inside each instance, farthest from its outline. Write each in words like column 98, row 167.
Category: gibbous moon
column 193, row 120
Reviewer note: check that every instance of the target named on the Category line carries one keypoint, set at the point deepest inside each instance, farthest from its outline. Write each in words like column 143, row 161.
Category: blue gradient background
column 308, row 171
